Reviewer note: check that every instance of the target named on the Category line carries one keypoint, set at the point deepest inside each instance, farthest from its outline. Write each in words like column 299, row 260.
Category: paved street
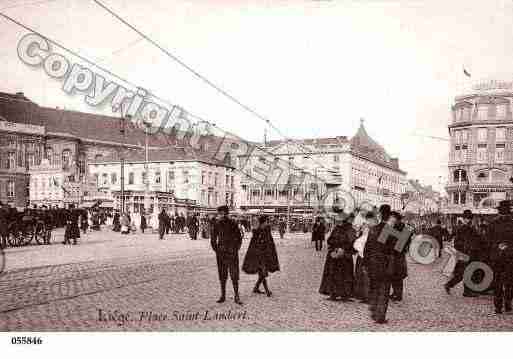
column 64, row 288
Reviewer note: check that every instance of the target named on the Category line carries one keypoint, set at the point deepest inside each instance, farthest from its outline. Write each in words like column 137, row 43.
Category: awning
column 88, row 204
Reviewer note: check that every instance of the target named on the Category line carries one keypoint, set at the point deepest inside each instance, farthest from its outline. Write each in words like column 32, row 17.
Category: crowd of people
column 358, row 265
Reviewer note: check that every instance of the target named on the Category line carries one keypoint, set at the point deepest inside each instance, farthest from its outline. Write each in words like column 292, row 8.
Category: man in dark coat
column 163, row 220
column 466, row 241
column 116, row 225
column 437, row 232
column 378, row 259
column 501, row 237
column 4, row 225
column 318, row 233
column 338, row 275
column 193, row 227
column 226, row 242
column 48, row 220
column 144, row 223
column 72, row 232
column 400, row 271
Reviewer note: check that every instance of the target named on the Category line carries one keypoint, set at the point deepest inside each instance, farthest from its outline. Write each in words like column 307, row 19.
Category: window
column 464, row 136
column 186, row 176
column 500, row 134
column 203, row 196
column 227, row 181
column 499, row 152
column 66, row 159
column 157, row 177
column 11, row 160
column 231, row 182
column 500, row 112
column 215, row 180
column 170, row 179
column 460, row 175
column 31, row 159
column 113, row 178
column 202, row 177
column 482, row 154
column 131, row 178
column 336, row 158
column 482, row 134
column 98, row 157
column 10, row 188
column 49, row 155
column 105, row 179
column 482, row 113
column 82, row 164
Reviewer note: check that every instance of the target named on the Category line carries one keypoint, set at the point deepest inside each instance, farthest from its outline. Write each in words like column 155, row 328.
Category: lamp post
column 122, row 160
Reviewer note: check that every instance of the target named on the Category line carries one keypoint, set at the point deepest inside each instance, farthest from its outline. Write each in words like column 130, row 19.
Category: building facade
column 481, row 148
column 178, row 179
column 45, row 152
column 358, row 166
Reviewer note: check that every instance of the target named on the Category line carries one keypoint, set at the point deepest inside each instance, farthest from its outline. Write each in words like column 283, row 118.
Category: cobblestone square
column 112, row 282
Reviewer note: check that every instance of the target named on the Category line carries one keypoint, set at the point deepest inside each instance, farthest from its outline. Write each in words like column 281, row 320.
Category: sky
column 313, row 68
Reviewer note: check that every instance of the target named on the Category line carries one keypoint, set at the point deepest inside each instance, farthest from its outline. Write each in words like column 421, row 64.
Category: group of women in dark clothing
column 379, row 267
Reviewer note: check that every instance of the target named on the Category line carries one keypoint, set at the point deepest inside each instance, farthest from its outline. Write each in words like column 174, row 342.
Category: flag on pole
column 466, row 72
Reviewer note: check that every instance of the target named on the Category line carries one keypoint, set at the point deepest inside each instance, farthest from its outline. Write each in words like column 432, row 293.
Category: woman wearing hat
column 261, row 257
column 338, row 277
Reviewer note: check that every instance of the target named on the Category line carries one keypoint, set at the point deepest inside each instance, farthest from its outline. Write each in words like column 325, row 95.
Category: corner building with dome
column 481, row 148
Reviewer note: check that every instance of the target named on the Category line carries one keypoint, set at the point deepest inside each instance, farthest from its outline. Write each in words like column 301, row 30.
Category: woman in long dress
column 261, row 257
column 338, row 277
column 361, row 290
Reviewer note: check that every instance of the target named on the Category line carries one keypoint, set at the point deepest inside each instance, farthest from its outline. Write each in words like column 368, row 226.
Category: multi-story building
column 177, row 179
column 49, row 150
column 481, row 147
column 358, row 166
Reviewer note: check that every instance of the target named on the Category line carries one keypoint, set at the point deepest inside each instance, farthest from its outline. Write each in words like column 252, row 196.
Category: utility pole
column 146, row 176
column 122, row 158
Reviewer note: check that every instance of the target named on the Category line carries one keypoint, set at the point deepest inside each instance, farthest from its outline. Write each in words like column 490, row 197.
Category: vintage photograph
column 255, row 166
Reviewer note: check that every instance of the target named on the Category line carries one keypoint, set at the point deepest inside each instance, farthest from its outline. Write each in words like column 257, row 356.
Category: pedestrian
column 282, row 228
column 163, row 218
column 125, row 223
column 338, row 275
column 378, row 259
column 261, row 257
column 144, row 224
column 318, row 233
column 116, row 226
column 501, row 237
column 226, row 242
column 84, row 224
column 361, row 291
column 400, row 270
column 72, row 232
column 4, row 225
column 465, row 242
column 48, row 224
column 437, row 233
column 193, row 227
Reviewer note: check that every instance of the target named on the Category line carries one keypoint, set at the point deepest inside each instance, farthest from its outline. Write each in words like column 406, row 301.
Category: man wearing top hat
column 501, row 237
column 466, row 241
column 226, row 242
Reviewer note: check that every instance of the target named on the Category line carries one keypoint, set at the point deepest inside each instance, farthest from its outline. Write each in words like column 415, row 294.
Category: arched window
column 66, row 159
column 49, row 155
column 98, row 157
